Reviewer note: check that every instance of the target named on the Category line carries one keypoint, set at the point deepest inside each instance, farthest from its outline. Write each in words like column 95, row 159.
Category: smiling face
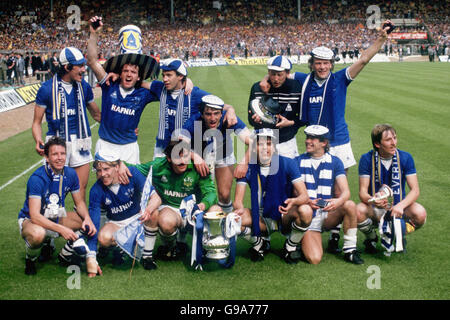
column 265, row 149
column 129, row 76
column 212, row 117
column 172, row 80
column 388, row 144
column 321, row 68
column 314, row 146
column 56, row 157
column 76, row 74
column 107, row 173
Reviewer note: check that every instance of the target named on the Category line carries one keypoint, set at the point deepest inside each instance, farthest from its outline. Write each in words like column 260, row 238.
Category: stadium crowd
column 229, row 28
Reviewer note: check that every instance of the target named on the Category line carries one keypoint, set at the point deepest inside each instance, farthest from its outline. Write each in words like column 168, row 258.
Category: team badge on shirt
column 188, row 182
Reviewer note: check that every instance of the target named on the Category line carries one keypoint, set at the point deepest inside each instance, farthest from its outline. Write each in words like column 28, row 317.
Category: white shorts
column 317, row 222
column 345, row 153
column 126, row 152
column 220, row 163
column 177, row 210
column 48, row 233
column 74, row 158
column 123, row 223
column 288, row 148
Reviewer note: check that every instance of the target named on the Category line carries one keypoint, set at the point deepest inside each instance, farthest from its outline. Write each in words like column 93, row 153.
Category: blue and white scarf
column 271, row 194
column 319, row 182
column 59, row 120
column 180, row 118
column 131, row 238
column 392, row 230
column 326, row 115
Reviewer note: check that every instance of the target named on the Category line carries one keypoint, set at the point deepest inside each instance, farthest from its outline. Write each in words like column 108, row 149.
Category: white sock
column 32, row 253
column 149, row 242
column 256, row 242
column 295, row 236
column 367, row 228
column 350, row 240
column 336, row 230
column 226, row 207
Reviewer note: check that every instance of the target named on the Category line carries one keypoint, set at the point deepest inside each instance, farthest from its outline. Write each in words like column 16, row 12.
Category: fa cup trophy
column 214, row 240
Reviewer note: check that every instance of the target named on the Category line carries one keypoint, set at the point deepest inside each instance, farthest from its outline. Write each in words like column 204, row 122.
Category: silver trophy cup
column 385, row 192
column 214, row 241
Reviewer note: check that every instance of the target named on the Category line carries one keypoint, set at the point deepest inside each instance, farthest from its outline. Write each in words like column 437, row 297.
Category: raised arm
column 368, row 54
column 92, row 49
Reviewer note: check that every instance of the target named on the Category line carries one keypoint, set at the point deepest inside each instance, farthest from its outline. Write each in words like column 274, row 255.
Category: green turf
column 413, row 97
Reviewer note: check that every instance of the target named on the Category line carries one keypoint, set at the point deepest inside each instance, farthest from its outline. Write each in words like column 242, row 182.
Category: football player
column 43, row 216
column 387, row 165
column 277, row 192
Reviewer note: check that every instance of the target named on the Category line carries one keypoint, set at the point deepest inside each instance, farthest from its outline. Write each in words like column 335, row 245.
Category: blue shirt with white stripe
column 320, row 181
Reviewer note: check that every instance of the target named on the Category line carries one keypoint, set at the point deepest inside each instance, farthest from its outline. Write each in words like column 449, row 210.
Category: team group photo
column 224, row 150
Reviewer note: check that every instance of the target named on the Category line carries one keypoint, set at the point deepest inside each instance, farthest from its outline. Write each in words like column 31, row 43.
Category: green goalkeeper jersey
column 172, row 187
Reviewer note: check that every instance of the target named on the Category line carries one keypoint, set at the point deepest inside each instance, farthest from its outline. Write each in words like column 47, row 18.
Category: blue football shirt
column 314, row 101
column 121, row 115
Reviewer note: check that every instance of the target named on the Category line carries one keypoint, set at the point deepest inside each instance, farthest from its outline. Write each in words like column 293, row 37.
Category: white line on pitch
column 30, row 168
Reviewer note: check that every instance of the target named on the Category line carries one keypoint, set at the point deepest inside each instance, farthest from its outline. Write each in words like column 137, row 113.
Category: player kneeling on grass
column 174, row 178
column 122, row 205
column 387, row 165
column 277, row 192
column 43, row 216
column 321, row 173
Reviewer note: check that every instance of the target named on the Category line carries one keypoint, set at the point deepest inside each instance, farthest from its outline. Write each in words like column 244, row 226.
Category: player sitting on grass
column 386, row 164
column 43, row 216
column 122, row 205
column 321, row 173
column 276, row 194
column 174, row 178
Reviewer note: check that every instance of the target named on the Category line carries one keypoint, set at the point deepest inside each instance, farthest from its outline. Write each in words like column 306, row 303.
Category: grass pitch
column 413, row 97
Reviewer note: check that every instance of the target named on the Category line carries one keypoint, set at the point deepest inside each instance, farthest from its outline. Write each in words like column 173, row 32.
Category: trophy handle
column 385, row 192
